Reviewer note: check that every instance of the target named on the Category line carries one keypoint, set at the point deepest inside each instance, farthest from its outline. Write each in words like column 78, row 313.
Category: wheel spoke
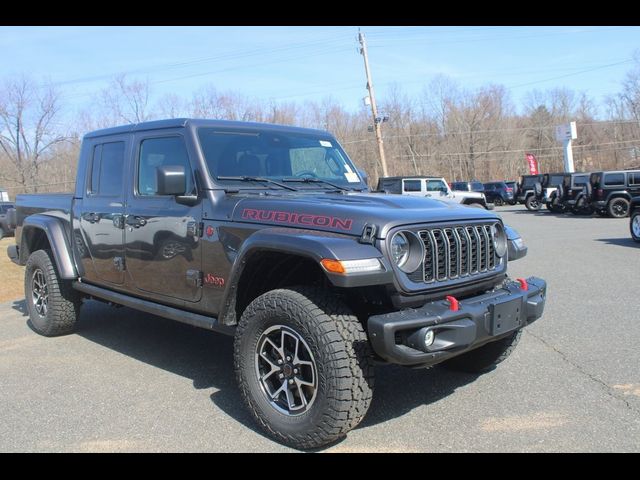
column 303, row 397
column 296, row 377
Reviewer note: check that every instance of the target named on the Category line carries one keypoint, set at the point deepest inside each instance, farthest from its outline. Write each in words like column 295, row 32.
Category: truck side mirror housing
column 171, row 180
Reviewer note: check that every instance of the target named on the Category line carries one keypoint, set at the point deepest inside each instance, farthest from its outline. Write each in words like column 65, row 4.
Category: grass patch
column 11, row 275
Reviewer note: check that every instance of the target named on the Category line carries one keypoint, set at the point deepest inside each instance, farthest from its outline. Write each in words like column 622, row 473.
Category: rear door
column 163, row 249
column 100, row 211
column 634, row 183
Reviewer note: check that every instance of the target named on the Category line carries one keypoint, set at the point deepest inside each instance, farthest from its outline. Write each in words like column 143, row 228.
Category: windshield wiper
column 248, row 178
column 315, row 180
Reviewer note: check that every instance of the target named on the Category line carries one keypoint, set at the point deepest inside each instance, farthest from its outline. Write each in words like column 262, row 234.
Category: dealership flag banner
column 533, row 164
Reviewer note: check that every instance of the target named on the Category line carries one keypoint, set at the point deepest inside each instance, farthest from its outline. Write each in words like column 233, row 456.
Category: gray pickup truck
column 269, row 233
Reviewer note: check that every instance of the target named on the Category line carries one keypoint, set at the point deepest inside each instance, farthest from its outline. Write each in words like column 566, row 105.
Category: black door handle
column 92, row 217
column 135, row 222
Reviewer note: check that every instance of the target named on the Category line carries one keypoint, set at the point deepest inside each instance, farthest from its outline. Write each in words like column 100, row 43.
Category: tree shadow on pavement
column 207, row 359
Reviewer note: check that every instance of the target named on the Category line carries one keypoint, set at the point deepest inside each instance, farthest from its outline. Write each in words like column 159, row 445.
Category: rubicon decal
column 294, row 218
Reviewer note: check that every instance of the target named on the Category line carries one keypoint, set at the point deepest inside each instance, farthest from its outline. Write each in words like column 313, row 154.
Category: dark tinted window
column 160, row 152
column 106, row 169
column 530, row 181
column 580, row 180
column 412, row 185
column 634, row 178
column 614, row 179
column 477, row 187
column 555, row 180
column 5, row 208
column 489, row 187
column 460, row 186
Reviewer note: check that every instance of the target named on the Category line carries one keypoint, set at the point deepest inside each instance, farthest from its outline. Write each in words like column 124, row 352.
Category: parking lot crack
column 608, row 389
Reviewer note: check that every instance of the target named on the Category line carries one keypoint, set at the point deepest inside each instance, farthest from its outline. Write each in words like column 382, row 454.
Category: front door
column 100, row 213
column 163, row 248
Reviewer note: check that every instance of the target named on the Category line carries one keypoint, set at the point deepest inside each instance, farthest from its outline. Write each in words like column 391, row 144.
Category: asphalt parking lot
column 132, row 382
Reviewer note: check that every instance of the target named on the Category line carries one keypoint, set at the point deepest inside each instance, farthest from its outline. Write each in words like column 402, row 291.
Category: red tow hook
column 523, row 284
column 453, row 303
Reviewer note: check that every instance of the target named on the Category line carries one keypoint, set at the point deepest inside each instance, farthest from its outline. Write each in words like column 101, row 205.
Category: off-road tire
column 63, row 302
column 486, row 357
column 618, row 207
column 532, row 203
column 343, row 358
column 635, row 217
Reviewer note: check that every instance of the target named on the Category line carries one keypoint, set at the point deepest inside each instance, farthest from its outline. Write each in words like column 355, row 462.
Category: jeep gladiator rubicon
column 268, row 233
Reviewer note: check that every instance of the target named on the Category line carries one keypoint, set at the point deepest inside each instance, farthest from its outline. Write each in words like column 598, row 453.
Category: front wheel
column 486, row 357
column 52, row 303
column 304, row 366
column 634, row 226
column 532, row 203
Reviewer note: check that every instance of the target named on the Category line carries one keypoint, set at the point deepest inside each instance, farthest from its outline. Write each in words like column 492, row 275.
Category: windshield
column 276, row 156
column 5, row 208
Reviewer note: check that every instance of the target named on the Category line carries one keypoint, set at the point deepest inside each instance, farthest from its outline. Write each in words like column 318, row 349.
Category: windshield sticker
column 348, row 168
column 324, row 143
column 351, row 177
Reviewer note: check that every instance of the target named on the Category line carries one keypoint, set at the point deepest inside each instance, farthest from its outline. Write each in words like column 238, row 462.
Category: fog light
column 428, row 338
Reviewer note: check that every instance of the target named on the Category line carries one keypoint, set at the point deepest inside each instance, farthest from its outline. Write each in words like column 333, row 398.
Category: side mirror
column 172, row 180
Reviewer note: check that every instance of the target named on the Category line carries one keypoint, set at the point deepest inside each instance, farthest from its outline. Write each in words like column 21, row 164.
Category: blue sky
column 312, row 63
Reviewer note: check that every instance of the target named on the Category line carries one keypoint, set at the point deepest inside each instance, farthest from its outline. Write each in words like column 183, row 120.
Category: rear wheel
column 532, row 203
column 486, row 357
column 304, row 366
column 498, row 202
column 618, row 207
column 52, row 303
column 634, row 226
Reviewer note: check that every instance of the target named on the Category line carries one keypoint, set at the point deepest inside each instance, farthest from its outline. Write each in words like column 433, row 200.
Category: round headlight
column 407, row 251
column 400, row 249
column 499, row 239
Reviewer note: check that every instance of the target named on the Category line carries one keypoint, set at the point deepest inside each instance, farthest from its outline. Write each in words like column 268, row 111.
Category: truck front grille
column 455, row 252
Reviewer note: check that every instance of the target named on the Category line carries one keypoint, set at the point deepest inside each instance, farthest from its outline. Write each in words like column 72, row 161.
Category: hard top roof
column 196, row 122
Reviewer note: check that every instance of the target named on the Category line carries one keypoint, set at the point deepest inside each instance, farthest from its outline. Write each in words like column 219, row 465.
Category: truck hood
column 348, row 213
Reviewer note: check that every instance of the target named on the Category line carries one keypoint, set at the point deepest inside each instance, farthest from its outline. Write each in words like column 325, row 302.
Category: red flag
column 533, row 163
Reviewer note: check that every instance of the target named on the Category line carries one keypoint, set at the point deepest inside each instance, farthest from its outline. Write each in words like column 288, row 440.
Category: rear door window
column 614, row 179
column 634, row 178
column 107, row 166
column 412, row 185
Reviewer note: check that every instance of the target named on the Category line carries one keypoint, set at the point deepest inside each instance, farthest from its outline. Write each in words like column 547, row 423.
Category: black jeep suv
column 568, row 191
column 526, row 188
column 610, row 192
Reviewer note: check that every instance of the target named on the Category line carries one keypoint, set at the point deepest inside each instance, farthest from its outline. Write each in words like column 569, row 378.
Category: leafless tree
column 28, row 128
column 127, row 101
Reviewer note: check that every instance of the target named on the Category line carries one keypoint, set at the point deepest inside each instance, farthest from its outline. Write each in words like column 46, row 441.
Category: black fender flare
column 309, row 244
column 54, row 230
column 618, row 194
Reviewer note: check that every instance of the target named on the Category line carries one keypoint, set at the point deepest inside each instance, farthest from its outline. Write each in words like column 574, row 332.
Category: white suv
column 435, row 187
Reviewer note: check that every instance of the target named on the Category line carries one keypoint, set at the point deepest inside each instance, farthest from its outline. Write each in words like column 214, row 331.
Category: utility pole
column 377, row 121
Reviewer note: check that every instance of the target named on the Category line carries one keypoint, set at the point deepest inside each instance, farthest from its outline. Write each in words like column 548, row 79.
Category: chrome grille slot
column 453, row 252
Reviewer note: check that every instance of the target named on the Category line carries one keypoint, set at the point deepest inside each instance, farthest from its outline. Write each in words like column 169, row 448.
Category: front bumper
column 398, row 337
